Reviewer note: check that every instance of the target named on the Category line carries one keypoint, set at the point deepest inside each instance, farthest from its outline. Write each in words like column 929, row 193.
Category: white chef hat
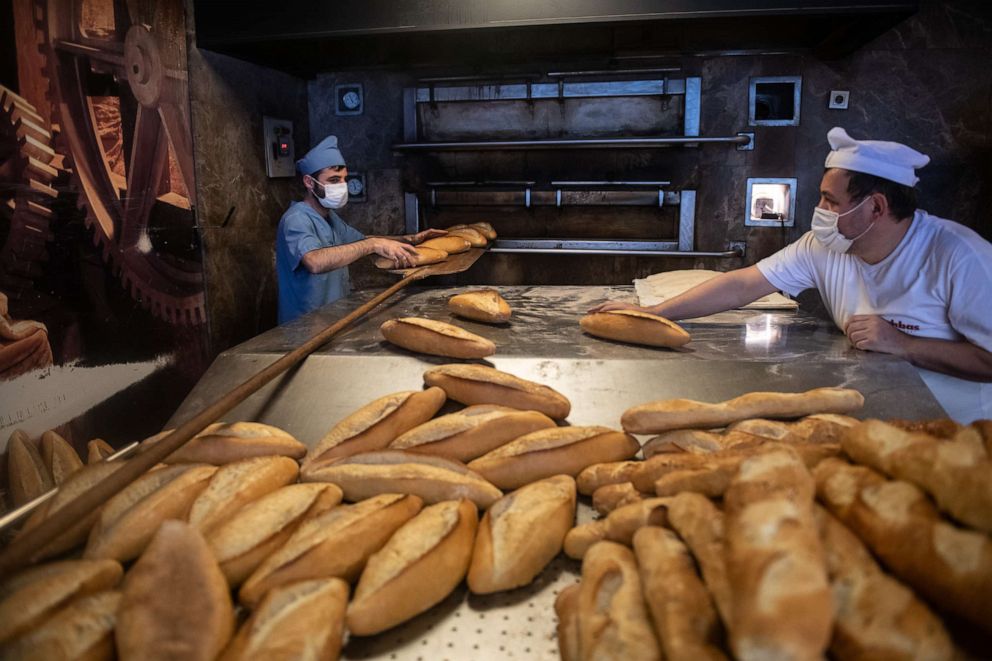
column 888, row 160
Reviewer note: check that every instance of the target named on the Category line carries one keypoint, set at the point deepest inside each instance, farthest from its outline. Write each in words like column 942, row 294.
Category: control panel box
column 280, row 157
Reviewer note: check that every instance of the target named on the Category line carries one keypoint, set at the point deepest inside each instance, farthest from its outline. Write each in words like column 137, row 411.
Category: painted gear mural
column 119, row 95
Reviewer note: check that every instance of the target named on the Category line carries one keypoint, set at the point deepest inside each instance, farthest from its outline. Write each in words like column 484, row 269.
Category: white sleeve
column 968, row 309
column 791, row 268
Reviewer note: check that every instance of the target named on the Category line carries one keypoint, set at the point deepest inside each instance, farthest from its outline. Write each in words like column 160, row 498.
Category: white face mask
column 335, row 195
column 825, row 230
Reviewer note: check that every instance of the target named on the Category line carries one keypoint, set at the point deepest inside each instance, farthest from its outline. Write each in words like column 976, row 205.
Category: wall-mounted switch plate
column 349, row 99
column 839, row 99
column 280, row 158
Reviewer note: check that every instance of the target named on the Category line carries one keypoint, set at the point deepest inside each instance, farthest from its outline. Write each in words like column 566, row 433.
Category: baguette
column 635, row 327
column 478, row 384
column 949, row 566
column 79, row 482
column 27, row 476
column 613, row 620
column 581, row 538
column 701, row 525
column 956, row 472
column 520, row 534
column 664, row 415
column 547, row 452
column 175, row 603
column 59, row 457
column 485, row 229
column 600, row 475
column 34, row 595
column 449, row 244
column 684, row 617
column 336, row 543
column 471, row 432
column 235, row 485
column 425, row 255
column 566, row 608
column 434, row 479
column 436, row 338
column 258, row 529
column 623, row 522
column 699, row 441
column 82, row 630
column 612, row 496
column 877, row 616
column 484, row 305
column 475, row 238
column 223, row 442
column 417, row 568
column 98, row 450
column 782, row 604
column 377, row 424
column 303, row 620
column 128, row 521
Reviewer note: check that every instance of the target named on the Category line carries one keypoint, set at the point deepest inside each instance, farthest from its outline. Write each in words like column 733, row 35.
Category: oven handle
column 577, row 143
column 736, row 252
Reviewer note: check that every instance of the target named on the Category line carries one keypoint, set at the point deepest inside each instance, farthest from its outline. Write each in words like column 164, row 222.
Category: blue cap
column 324, row 155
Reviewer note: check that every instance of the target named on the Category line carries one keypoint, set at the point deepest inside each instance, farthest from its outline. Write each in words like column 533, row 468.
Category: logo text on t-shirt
column 902, row 326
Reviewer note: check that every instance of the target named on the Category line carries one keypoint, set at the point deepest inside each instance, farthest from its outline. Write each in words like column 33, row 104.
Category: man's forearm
column 724, row 292
column 957, row 358
column 331, row 258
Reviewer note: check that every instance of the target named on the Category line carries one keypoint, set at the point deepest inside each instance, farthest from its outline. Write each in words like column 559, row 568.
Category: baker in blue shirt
column 314, row 246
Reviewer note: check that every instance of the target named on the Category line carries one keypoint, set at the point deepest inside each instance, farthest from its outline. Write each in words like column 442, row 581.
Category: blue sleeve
column 791, row 268
column 349, row 233
column 297, row 234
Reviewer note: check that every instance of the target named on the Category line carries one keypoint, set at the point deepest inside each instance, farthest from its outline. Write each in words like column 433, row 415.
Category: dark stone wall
column 229, row 98
column 926, row 83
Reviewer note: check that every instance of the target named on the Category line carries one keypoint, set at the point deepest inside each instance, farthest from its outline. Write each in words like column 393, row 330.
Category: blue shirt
column 301, row 229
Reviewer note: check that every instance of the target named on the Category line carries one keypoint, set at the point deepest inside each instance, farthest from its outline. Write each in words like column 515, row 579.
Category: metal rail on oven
column 577, row 143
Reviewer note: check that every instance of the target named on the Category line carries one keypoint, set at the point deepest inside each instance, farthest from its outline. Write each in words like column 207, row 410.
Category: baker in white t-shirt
column 895, row 279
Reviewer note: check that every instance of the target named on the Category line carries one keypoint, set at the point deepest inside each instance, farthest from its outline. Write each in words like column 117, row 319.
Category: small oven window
column 770, row 202
column 774, row 101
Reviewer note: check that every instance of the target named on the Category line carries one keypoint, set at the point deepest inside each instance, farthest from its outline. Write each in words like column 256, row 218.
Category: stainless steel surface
column 561, row 89
column 731, row 353
column 692, row 107
column 579, row 143
column 687, row 221
column 611, row 183
column 613, row 72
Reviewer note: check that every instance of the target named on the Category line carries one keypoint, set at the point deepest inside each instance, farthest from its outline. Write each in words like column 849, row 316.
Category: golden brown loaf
column 449, row 244
column 29, row 598
column 303, row 620
column 613, row 619
column 258, row 529
column 418, row 567
column 59, row 457
column 176, row 603
column 520, row 534
column 681, row 608
column 235, row 485
column 484, row 305
column 336, row 543
column 375, row 425
column 128, row 521
column 475, row 238
column 624, row 521
column 547, row 452
column 478, row 384
column 782, row 604
column 567, row 610
column 635, row 327
column 82, row 630
column 581, row 538
column 611, row 496
column 436, row 338
column 877, row 616
column 98, row 450
column 224, row 442
column 425, row 255
column 957, row 472
column 664, row 415
column 949, row 566
column 484, row 228
column 600, row 475
column 434, row 479
column 27, row 476
column 471, row 432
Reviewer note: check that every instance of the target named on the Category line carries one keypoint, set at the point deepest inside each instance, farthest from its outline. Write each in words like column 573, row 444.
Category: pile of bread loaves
column 246, row 544
column 459, row 239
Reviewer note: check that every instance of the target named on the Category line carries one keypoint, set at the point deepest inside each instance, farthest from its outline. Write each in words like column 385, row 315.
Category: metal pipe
column 582, row 143
column 610, row 72
column 600, row 251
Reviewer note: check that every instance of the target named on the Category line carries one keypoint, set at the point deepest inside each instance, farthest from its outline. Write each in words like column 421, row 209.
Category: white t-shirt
column 937, row 283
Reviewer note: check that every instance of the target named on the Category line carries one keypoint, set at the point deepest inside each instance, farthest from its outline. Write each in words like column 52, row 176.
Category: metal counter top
column 730, row 354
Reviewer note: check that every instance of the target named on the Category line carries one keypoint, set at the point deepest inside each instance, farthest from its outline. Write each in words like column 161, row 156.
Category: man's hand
column 616, row 305
column 870, row 332
column 420, row 237
column 401, row 253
